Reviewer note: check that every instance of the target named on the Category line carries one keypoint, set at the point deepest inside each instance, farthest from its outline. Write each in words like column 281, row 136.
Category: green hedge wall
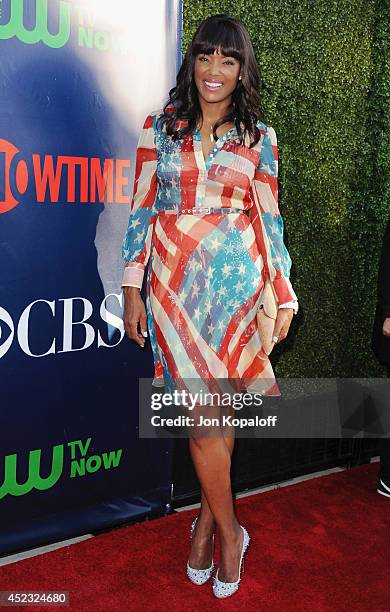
column 325, row 71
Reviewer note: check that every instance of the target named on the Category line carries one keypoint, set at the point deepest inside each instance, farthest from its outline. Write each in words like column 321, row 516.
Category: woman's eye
column 203, row 57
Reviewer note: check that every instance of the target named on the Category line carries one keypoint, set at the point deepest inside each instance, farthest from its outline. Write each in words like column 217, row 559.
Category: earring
column 239, row 78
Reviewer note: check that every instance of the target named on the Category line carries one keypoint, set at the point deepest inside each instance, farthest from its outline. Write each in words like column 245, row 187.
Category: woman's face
column 216, row 76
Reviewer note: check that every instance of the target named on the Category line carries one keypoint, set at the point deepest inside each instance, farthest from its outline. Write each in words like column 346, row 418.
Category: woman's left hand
column 282, row 323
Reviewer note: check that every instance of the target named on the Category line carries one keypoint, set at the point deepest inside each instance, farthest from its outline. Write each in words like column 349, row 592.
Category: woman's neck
column 212, row 112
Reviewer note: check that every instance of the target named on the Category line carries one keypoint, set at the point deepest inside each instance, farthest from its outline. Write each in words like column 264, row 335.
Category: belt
column 207, row 210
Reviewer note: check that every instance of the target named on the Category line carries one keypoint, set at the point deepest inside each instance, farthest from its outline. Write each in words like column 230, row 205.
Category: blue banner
column 75, row 87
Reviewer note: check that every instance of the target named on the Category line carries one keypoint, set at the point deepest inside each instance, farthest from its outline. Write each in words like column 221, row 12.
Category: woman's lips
column 210, row 86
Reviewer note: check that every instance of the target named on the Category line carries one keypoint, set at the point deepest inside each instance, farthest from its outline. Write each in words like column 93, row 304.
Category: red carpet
column 321, row 545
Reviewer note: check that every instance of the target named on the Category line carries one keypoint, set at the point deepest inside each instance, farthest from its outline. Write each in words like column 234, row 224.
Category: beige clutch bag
column 266, row 316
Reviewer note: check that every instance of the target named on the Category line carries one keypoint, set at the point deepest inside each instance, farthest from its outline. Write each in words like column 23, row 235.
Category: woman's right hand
column 133, row 312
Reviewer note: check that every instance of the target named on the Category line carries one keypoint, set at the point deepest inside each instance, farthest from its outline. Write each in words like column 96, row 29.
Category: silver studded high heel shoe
column 199, row 576
column 225, row 589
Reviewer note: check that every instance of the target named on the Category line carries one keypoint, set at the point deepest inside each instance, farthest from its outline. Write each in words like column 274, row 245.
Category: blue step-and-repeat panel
column 77, row 79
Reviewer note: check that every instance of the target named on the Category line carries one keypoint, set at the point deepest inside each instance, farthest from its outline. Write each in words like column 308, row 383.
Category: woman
column 202, row 161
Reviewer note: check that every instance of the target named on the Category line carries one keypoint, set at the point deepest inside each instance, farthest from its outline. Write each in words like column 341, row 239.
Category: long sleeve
column 137, row 241
column 267, row 221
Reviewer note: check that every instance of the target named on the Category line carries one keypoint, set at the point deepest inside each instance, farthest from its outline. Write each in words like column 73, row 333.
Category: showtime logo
column 96, row 184
column 21, row 330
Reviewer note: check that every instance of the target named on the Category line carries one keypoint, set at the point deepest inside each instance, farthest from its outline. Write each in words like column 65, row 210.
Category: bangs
column 223, row 38
column 220, row 36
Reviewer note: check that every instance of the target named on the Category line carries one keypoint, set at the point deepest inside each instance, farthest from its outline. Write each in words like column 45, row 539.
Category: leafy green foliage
column 325, row 70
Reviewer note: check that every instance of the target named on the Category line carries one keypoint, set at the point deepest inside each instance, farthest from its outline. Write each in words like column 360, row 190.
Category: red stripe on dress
column 151, row 192
column 189, row 175
column 258, row 229
column 236, row 177
column 174, row 314
column 175, row 263
column 148, row 122
column 243, row 340
column 178, row 262
column 272, row 181
column 234, row 324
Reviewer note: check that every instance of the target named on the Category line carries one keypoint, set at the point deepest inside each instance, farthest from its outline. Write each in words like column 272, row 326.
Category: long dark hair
column 231, row 36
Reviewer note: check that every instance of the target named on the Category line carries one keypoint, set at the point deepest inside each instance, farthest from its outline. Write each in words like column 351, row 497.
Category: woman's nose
column 214, row 69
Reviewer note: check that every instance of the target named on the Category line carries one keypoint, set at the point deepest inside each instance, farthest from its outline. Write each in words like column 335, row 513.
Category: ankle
column 206, row 523
column 230, row 533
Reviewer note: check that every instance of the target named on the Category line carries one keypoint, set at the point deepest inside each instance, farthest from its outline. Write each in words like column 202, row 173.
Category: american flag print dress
column 206, row 271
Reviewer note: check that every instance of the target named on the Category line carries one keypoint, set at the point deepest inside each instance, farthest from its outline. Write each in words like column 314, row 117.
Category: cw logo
column 15, row 26
column 11, row 486
column 81, row 465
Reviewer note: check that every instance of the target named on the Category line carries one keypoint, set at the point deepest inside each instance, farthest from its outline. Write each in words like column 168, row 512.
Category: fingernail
column 145, row 334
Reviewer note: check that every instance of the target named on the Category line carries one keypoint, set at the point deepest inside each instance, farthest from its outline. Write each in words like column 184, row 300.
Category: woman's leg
column 201, row 543
column 211, row 455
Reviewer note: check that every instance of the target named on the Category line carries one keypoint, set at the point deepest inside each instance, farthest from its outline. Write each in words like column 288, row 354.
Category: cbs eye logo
column 10, row 167
column 5, row 320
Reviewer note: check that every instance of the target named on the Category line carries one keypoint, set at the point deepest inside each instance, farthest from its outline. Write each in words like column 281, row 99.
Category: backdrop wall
column 76, row 82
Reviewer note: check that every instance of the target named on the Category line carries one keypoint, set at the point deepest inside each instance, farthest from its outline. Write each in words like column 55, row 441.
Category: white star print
column 229, row 248
column 197, row 313
column 226, row 269
column 134, row 223
column 241, row 269
column 215, row 243
column 208, row 306
column 193, row 264
column 195, row 290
